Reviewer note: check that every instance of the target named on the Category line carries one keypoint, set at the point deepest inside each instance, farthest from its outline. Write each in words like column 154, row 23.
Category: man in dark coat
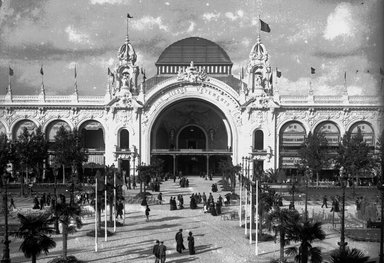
column 191, row 244
column 179, row 241
column 156, row 251
column 162, row 252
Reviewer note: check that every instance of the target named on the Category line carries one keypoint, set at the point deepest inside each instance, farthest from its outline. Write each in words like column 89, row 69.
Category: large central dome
column 199, row 50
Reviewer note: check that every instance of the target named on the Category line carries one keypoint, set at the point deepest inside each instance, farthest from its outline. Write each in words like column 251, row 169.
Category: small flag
column 10, row 71
column 41, row 70
column 264, row 26
column 129, row 16
column 313, row 71
column 278, row 73
column 381, row 71
column 75, row 72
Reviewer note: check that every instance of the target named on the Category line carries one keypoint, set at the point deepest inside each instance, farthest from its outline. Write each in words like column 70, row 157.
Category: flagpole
column 96, row 214
column 42, row 74
column 9, row 79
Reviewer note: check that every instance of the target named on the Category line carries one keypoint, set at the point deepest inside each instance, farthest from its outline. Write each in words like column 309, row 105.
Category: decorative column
column 208, row 164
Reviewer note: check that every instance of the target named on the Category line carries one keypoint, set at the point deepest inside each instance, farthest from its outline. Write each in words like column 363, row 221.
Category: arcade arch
column 191, row 137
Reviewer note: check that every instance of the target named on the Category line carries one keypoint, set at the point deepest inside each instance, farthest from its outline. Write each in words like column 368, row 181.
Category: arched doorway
column 191, row 137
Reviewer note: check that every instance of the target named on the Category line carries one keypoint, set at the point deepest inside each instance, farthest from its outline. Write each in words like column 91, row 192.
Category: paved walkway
column 216, row 240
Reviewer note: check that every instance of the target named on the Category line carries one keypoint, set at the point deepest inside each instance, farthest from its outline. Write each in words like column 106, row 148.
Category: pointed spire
column 75, row 85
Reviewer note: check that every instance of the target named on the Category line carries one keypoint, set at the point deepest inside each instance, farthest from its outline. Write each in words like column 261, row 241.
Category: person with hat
column 162, row 252
column 179, row 241
column 156, row 251
column 191, row 244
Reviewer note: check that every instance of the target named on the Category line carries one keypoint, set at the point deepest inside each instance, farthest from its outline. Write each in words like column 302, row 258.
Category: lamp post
column 307, row 174
column 381, row 188
column 342, row 242
column 55, row 167
column 6, row 258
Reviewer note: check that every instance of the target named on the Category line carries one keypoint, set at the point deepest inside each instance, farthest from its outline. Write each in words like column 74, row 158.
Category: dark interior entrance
column 191, row 164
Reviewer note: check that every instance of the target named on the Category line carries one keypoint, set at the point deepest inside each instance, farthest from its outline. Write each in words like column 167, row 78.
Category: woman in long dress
column 191, row 244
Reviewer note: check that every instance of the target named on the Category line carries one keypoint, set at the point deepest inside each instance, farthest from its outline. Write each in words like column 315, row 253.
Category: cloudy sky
column 329, row 35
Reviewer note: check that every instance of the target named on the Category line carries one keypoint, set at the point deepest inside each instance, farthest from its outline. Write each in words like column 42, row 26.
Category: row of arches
column 92, row 132
column 293, row 134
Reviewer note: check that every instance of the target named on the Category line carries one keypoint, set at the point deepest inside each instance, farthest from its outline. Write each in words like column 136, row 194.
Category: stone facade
column 252, row 120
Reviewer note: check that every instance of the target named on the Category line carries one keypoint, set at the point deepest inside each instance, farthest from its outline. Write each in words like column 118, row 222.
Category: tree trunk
column 65, row 240
column 99, row 219
column 110, row 211
column 304, row 254
column 282, row 243
column 34, row 260
column 63, row 174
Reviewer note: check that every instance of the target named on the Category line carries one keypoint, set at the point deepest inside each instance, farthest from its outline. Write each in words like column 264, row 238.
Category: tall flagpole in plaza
column 96, row 213
column 114, row 200
column 105, row 208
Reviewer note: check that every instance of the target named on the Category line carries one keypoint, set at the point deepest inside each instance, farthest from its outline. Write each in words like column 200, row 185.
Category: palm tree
column 69, row 215
column 34, row 229
column 348, row 255
column 305, row 233
column 281, row 219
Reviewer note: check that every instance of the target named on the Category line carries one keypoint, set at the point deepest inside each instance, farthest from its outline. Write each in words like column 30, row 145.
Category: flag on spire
column 129, row 16
column 41, row 70
column 10, row 71
column 313, row 70
column 75, row 72
column 110, row 74
column 278, row 73
column 264, row 26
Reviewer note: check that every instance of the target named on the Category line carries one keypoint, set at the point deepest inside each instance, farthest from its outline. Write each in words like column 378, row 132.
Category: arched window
column 30, row 125
column 258, row 140
column 292, row 134
column 330, row 131
column 366, row 130
column 124, row 139
column 54, row 127
column 93, row 135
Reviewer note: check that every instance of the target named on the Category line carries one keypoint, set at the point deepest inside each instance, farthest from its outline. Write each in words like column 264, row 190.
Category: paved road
column 216, row 240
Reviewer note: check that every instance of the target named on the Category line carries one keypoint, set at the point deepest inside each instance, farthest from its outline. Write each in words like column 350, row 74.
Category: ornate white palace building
column 194, row 112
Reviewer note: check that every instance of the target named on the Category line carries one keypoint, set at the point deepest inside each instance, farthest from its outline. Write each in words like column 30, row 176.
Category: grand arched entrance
column 191, row 137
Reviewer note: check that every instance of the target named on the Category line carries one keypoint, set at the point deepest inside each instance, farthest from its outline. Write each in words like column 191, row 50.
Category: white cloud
column 147, row 22
column 240, row 13
column 231, row 16
column 76, row 37
column 112, row 2
column 211, row 16
column 340, row 23
column 191, row 27
column 167, row 3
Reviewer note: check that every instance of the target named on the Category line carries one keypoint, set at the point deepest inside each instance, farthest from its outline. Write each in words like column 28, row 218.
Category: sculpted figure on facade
column 192, row 74
column 259, row 72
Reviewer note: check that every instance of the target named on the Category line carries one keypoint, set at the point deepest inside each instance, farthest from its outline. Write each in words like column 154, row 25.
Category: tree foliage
column 354, row 153
column 35, row 231
column 313, row 152
column 69, row 215
column 305, row 233
column 348, row 255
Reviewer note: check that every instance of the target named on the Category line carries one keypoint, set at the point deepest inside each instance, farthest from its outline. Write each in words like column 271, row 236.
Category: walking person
column 12, row 204
column 147, row 213
column 179, row 241
column 162, row 252
column 155, row 251
column 325, row 202
column 191, row 244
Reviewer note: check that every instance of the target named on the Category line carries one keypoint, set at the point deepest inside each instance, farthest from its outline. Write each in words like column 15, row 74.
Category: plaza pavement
column 216, row 240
